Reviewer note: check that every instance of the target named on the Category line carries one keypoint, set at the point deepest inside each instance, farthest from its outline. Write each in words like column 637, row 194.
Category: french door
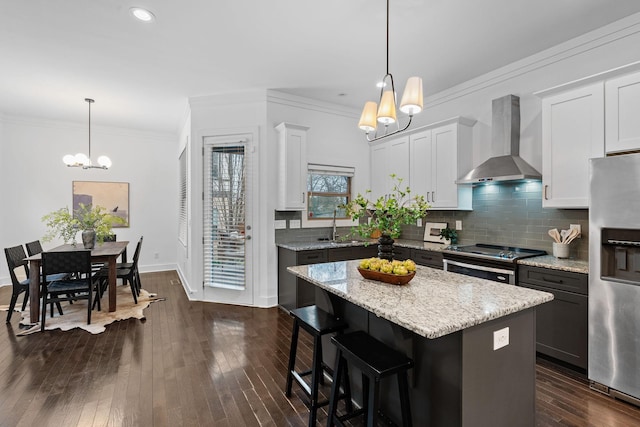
column 227, row 220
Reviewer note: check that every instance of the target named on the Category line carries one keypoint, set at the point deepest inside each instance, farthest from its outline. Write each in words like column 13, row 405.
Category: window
column 328, row 187
column 182, row 213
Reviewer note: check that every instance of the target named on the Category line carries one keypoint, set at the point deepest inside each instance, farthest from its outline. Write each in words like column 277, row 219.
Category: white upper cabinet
column 572, row 133
column 430, row 160
column 622, row 114
column 389, row 157
column 580, row 121
column 292, row 152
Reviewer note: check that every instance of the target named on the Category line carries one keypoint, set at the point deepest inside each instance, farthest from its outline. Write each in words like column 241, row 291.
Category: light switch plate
column 458, row 224
column 280, row 224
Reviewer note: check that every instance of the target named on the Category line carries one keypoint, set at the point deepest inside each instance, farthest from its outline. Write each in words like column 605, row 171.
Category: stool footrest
column 302, row 383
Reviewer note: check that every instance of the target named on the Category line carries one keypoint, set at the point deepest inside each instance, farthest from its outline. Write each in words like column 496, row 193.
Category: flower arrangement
column 62, row 223
column 388, row 213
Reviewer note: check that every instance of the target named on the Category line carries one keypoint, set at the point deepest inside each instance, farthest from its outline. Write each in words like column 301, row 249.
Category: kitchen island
column 449, row 325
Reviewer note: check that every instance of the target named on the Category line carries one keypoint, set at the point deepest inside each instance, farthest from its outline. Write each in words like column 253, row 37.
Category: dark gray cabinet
column 427, row 258
column 562, row 324
column 351, row 252
column 401, row 253
column 294, row 292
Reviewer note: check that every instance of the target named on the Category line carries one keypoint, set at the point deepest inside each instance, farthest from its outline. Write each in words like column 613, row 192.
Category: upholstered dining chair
column 16, row 259
column 73, row 288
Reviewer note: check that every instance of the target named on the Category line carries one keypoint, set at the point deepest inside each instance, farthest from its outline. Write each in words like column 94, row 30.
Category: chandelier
column 373, row 116
column 80, row 160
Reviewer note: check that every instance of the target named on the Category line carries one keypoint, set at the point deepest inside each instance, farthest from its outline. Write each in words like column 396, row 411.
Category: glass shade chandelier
column 80, row 160
column 382, row 116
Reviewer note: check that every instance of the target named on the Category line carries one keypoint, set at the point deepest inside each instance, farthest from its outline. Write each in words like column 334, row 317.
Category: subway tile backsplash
column 504, row 214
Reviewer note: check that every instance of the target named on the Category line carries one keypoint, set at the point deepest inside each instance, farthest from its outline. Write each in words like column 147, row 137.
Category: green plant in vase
column 449, row 234
column 387, row 215
column 94, row 222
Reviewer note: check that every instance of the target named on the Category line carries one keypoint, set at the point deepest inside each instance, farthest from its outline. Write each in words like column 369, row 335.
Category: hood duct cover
column 505, row 130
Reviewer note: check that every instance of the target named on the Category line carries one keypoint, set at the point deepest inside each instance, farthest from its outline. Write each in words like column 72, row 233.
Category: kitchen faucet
column 334, row 234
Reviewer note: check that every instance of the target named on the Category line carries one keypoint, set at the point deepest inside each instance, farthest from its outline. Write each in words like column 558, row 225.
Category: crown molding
column 602, row 36
column 281, row 98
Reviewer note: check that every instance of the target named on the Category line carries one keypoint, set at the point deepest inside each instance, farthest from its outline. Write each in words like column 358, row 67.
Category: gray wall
column 505, row 214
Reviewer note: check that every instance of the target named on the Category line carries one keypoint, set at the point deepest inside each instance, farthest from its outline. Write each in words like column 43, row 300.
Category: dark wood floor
column 202, row 364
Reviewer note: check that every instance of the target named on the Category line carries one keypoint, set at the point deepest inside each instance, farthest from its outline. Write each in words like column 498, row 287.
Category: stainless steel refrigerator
column 614, row 276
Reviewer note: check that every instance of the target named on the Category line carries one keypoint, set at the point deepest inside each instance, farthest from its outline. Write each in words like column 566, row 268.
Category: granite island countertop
column 433, row 304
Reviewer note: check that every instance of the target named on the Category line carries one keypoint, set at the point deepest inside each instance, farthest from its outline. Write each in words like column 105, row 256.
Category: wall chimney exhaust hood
column 505, row 130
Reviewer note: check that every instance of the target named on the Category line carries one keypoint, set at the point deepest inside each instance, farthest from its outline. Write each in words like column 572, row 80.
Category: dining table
column 106, row 252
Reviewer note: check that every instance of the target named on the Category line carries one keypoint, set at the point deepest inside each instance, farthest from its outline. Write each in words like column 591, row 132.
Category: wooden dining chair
column 128, row 272
column 73, row 288
column 16, row 259
column 34, row 248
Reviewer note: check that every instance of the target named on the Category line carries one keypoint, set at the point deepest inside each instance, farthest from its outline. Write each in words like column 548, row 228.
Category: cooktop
column 493, row 252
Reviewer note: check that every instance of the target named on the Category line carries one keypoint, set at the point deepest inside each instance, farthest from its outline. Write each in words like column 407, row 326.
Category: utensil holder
column 560, row 250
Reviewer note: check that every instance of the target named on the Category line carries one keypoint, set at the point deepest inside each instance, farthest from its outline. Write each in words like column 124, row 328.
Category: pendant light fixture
column 80, row 160
column 374, row 115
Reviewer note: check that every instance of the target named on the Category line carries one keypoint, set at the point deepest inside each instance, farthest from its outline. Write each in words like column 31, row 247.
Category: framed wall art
column 113, row 196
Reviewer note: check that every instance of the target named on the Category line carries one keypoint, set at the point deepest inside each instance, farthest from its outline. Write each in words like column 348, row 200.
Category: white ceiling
column 53, row 54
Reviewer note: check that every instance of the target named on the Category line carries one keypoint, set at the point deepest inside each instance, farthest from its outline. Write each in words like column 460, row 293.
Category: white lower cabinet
column 622, row 112
column 572, row 133
column 430, row 160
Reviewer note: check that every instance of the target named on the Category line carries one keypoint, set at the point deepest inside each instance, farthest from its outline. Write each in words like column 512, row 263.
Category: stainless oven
column 491, row 262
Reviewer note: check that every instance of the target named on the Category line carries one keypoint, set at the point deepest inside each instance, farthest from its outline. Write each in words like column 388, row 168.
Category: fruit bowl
column 394, row 279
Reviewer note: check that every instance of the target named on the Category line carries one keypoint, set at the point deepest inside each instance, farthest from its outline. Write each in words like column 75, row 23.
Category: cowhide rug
column 75, row 315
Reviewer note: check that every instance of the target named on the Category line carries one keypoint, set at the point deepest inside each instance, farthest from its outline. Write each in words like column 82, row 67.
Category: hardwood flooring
column 203, row 364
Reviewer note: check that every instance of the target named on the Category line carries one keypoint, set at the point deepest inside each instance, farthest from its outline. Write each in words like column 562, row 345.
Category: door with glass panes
column 227, row 220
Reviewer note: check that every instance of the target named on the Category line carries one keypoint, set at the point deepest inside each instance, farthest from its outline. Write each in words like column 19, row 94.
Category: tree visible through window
column 325, row 193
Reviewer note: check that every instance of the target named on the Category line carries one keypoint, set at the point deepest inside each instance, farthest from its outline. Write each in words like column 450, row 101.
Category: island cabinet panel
column 562, row 324
column 458, row 379
column 427, row 258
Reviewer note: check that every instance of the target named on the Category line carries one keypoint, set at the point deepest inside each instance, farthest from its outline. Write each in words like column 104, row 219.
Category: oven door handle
column 478, row 267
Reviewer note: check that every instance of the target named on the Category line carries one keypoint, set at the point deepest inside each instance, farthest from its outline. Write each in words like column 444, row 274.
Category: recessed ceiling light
column 142, row 14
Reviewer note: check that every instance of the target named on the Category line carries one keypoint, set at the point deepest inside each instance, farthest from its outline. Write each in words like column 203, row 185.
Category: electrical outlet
column 458, row 224
column 500, row 338
column 280, row 224
column 156, row 255
column 294, row 223
column 419, row 222
column 577, row 227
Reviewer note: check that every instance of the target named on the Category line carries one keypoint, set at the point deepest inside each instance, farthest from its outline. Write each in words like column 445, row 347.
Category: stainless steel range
column 492, row 262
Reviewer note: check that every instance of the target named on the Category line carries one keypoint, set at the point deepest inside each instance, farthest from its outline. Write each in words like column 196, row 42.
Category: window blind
column 224, row 215
column 182, row 214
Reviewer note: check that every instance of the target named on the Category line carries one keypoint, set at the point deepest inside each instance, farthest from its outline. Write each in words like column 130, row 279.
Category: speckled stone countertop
column 433, row 304
column 549, row 261
column 324, row 244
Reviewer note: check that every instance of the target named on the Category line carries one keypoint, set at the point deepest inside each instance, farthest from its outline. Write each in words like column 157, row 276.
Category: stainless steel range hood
column 505, row 130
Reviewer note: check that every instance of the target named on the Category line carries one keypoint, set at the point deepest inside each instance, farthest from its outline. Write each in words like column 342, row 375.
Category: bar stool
column 316, row 322
column 376, row 361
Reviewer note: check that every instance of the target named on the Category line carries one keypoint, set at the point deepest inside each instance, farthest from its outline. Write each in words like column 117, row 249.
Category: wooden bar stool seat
column 376, row 360
column 316, row 322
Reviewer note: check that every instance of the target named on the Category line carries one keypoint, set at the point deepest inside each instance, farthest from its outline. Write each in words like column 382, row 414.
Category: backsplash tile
column 504, row 214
